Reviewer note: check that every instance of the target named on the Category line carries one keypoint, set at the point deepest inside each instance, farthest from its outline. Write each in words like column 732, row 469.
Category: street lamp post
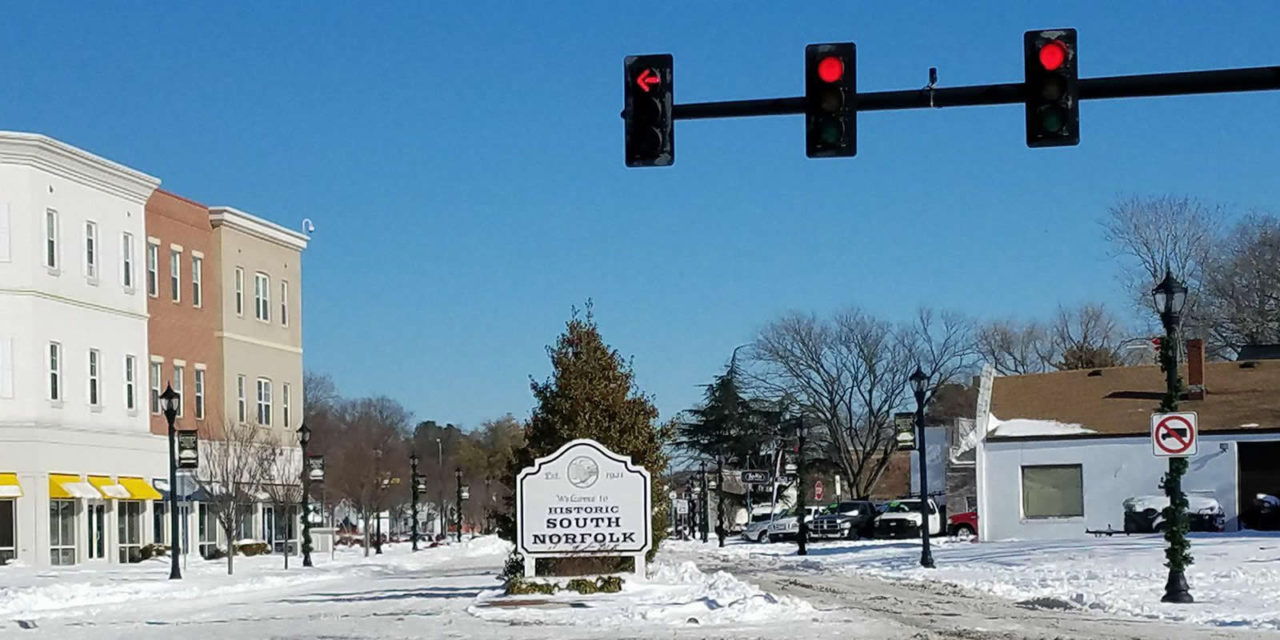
column 444, row 530
column 704, row 498
column 304, row 438
column 802, row 539
column 458, row 475
column 413, row 475
column 919, row 385
column 169, row 402
column 1170, row 296
column 720, row 530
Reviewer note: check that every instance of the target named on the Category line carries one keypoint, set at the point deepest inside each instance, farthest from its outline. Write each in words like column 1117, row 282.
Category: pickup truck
column 963, row 525
column 901, row 519
column 788, row 526
column 849, row 520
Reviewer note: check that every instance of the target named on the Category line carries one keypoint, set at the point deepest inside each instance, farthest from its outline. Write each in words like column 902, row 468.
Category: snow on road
column 1235, row 579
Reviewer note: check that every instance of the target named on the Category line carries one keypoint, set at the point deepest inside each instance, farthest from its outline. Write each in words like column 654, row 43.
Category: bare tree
column 1086, row 337
column 1152, row 234
column 283, row 485
column 1242, row 287
column 231, row 473
column 1015, row 348
column 851, row 374
column 368, row 455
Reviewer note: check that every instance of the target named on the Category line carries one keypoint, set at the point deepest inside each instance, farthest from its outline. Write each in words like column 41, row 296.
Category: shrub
column 520, row 587
column 581, row 585
column 609, row 584
column 251, row 549
column 513, row 567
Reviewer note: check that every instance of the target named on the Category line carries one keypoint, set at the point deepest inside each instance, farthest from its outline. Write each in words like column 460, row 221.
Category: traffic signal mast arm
column 1105, row 88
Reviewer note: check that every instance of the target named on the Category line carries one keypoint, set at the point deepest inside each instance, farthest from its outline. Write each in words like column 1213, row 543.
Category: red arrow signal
column 646, row 79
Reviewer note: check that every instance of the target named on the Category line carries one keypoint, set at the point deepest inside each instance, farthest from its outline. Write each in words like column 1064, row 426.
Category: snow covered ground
column 1235, row 579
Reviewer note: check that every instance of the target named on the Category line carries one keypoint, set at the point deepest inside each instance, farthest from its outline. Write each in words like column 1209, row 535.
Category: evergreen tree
column 728, row 425
column 592, row 394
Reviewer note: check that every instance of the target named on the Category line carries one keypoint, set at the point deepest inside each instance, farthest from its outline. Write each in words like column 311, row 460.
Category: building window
column 264, row 402
column 94, row 359
column 157, row 372
column 51, row 239
column 91, row 250
column 129, row 528
column 240, row 399
column 175, row 274
column 284, row 303
column 197, row 276
column 1052, row 491
column 159, row 528
column 179, row 372
column 62, row 532
column 199, row 393
column 126, row 267
column 153, row 269
column 55, row 371
column 262, row 297
column 130, row 378
column 207, row 529
column 8, row 532
column 239, row 291
column 284, row 404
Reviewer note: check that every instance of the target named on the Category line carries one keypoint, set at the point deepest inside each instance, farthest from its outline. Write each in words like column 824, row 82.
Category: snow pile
column 1022, row 427
column 674, row 594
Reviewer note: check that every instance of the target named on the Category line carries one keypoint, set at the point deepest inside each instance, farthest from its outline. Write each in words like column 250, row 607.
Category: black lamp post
column 919, row 385
column 705, row 499
column 1170, row 296
column 169, row 403
column 304, row 438
column 803, row 535
column 457, row 474
column 721, row 532
column 413, row 493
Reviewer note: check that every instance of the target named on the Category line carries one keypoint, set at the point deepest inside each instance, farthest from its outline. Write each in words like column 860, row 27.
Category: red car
column 963, row 524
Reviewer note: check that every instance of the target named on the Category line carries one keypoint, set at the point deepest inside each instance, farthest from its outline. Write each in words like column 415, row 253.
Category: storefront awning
column 188, row 490
column 108, row 487
column 139, row 489
column 9, row 487
column 64, row 486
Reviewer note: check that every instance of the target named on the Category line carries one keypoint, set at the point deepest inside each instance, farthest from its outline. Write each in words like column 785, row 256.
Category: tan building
column 260, row 325
column 181, row 278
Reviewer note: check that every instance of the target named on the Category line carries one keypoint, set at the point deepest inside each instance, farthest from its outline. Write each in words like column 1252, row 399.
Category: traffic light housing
column 1052, row 94
column 831, row 95
column 650, row 130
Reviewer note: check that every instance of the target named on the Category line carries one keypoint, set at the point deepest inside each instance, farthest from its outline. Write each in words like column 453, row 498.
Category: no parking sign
column 1175, row 435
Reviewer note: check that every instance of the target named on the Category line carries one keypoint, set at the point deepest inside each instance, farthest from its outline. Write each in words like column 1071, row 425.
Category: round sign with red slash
column 1174, row 435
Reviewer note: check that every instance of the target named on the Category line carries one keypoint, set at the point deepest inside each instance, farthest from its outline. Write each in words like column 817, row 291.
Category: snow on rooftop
column 1025, row 427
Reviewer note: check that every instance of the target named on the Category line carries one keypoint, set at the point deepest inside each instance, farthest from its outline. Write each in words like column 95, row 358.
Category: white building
column 77, row 458
column 1070, row 447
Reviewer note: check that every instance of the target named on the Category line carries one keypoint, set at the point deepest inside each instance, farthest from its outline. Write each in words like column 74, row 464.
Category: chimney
column 1195, row 369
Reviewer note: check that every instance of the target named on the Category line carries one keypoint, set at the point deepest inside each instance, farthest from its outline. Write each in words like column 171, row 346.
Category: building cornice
column 255, row 341
column 61, row 159
column 253, row 225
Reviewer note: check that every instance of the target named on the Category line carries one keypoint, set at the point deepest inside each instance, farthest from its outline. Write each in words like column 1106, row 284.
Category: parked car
column 963, row 525
column 850, row 520
column 901, row 519
column 758, row 529
column 788, row 526
column 1145, row 514
column 1263, row 514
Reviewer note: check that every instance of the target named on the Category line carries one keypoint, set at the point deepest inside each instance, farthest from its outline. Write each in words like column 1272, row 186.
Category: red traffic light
column 1052, row 55
column 831, row 69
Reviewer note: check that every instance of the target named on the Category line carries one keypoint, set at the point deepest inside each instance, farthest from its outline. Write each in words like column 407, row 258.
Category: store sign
column 188, row 450
column 584, row 500
column 904, row 425
column 315, row 468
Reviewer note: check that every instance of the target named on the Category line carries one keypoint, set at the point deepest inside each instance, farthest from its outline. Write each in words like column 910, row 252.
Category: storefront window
column 8, row 532
column 62, row 532
column 208, row 529
column 129, row 521
column 159, row 523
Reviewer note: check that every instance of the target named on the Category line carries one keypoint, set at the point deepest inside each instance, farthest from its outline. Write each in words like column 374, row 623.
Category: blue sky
column 463, row 165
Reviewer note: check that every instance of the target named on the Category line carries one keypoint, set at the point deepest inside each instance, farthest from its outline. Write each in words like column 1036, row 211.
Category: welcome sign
column 584, row 500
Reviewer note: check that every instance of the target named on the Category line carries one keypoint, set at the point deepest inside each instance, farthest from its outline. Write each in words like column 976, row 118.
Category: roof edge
column 260, row 227
column 1139, row 434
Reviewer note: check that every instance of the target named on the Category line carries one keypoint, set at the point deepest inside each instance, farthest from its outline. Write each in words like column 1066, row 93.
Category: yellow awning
column 139, row 489
column 9, row 487
column 108, row 487
column 64, row 486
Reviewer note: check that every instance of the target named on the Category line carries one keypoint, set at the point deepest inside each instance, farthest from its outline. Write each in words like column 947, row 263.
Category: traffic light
column 1053, row 100
column 831, row 94
column 650, row 130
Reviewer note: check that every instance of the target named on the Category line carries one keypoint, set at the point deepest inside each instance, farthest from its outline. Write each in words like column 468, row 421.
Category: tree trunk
column 365, row 513
column 231, row 550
